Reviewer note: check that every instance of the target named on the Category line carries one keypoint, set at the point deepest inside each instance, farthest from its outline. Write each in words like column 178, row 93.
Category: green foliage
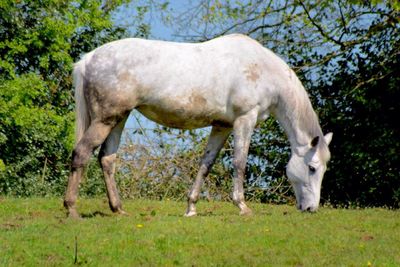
column 39, row 41
column 36, row 140
column 366, row 167
column 35, row 232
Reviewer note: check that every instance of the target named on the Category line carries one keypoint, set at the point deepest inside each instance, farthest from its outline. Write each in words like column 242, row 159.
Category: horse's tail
column 82, row 112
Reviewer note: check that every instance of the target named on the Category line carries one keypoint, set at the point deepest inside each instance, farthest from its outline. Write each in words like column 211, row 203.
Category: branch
column 237, row 24
column 282, row 22
column 343, row 20
column 264, row 26
column 377, row 77
column 323, row 33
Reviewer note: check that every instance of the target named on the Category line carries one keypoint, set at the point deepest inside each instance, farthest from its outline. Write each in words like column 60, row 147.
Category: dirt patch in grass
column 367, row 238
column 10, row 226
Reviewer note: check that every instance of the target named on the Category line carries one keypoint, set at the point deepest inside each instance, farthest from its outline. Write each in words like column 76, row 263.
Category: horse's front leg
column 242, row 131
column 216, row 141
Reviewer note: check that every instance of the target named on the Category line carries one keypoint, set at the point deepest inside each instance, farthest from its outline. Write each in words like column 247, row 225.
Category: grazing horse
column 230, row 83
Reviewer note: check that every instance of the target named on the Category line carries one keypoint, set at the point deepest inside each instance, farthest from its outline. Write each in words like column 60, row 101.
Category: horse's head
column 306, row 169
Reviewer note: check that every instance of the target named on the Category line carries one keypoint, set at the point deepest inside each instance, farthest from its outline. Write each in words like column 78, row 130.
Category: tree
column 367, row 166
column 39, row 41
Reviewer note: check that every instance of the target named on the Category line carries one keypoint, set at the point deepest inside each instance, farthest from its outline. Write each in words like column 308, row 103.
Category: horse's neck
column 295, row 114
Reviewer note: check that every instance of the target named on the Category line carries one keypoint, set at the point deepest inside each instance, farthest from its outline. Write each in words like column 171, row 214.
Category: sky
column 127, row 15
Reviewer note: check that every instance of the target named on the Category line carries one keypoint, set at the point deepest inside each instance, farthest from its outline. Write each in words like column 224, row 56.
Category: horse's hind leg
column 93, row 137
column 107, row 156
column 242, row 131
column 216, row 141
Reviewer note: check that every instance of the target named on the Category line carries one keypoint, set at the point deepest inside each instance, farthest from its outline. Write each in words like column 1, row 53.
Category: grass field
column 35, row 232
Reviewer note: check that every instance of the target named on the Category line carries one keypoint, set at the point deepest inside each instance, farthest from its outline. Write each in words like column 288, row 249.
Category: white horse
column 230, row 83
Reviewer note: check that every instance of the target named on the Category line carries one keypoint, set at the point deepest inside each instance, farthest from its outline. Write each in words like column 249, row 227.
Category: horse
column 230, row 83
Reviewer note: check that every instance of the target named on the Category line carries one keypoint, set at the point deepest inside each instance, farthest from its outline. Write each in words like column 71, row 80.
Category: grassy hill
column 35, row 232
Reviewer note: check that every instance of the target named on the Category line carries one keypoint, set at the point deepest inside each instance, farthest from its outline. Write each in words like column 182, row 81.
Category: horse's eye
column 311, row 168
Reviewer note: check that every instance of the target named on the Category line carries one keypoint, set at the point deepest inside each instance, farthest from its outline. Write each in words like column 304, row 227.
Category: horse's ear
column 315, row 141
column 328, row 138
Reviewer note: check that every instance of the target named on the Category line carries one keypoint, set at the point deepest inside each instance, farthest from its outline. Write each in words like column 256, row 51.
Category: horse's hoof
column 190, row 213
column 122, row 212
column 246, row 212
column 73, row 214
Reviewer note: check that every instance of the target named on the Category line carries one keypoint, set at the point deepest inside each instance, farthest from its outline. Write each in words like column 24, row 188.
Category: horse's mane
column 298, row 109
column 307, row 119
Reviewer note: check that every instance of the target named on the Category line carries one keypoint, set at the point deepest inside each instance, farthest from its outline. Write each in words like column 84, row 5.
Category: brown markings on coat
column 127, row 79
column 252, row 72
column 129, row 90
column 111, row 105
column 197, row 102
column 124, row 77
column 180, row 112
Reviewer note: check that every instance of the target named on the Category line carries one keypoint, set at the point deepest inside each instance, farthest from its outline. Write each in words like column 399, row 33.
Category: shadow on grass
column 200, row 214
column 94, row 214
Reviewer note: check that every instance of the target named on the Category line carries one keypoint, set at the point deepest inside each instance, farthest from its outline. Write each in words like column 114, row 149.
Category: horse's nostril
column 308, row 209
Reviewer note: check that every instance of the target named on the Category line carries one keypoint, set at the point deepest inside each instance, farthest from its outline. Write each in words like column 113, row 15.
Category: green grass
column 35, row 232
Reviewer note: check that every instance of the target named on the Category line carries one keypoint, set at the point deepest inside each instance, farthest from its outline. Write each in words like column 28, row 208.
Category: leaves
column 39, row 41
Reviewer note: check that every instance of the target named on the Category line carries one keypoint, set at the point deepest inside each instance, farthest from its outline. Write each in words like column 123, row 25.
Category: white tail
column 82, row 112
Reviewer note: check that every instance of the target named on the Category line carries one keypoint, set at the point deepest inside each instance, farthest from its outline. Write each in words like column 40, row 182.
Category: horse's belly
column 195, row 111
column 176, row 118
